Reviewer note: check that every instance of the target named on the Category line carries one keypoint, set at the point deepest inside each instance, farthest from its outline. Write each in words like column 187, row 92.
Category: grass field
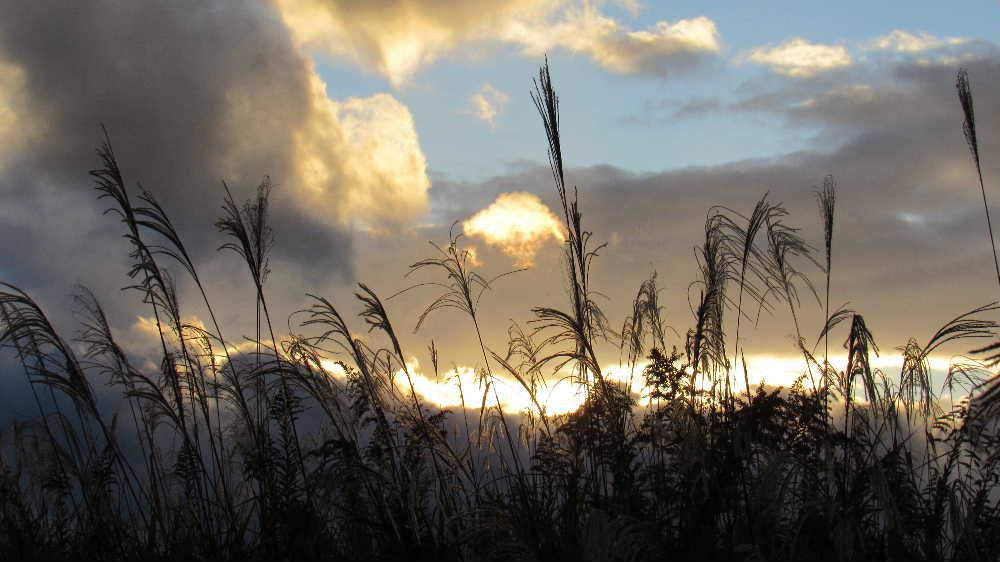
column 313, row 443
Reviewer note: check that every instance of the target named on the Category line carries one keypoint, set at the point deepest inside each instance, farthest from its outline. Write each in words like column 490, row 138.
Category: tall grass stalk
column 969, row 129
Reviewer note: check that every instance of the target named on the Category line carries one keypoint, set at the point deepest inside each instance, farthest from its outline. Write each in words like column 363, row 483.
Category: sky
column 383, row 123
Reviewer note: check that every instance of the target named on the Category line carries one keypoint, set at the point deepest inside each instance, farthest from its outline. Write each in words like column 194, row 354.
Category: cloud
column 561, row 393
column 902, row 41
column 926, row 49
column 212, row 94
column 798, row 57
column 147, row 336
column 882, row 63
column 658, row 50
column 369, row 146
column 15, row 131
column 487, row 103
column 455, row 387
column 418, row 33
column 909, row 213
column 426, row 30
column 215, row 94
column 518, row 223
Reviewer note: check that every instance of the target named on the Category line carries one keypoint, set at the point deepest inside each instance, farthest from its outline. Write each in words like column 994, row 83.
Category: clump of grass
column 318, row 444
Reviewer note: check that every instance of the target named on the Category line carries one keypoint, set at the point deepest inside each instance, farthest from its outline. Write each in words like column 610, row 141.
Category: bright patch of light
column 518, row 223
column 462, row 385
column 560, row 394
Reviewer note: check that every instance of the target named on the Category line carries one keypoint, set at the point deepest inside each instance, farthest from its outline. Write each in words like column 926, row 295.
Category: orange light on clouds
column 517, row 223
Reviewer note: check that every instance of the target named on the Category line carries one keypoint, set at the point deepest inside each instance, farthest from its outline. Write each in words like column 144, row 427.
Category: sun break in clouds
column 518, row 223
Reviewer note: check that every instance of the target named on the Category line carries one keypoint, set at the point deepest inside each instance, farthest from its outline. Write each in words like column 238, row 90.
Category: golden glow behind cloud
column 461, row 385
column 148, row 332
column 800, row 58
column 559, row 394
column 518, row 223
column 445, row 391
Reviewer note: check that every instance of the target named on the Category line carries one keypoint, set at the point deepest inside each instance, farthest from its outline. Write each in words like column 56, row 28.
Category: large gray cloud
column 192, row 94
column 163, row 79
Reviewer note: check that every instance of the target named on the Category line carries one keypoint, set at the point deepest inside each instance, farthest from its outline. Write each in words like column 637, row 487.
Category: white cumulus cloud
column 800, row 58
column 518, row 223
column 367, row 147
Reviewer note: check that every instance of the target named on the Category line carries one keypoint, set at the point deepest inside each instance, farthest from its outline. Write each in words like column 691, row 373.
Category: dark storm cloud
column 191, row 93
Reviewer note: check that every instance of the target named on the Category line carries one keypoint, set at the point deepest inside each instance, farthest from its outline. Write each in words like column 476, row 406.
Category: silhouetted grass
column 212, row 454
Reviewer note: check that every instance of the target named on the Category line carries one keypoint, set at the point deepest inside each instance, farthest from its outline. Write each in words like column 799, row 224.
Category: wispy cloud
column 418, row 33
column 926, row 49
column 902, row 41
column 798, row 57
column 487, row 103
column 426, row 30
column 656, row 50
